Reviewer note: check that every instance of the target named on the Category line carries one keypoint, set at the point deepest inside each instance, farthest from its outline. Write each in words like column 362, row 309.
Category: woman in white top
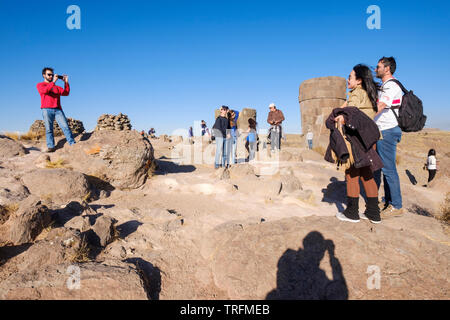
column 431, row 165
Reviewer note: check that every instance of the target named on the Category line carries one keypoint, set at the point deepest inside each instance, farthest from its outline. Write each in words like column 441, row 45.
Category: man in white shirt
column 389, row 98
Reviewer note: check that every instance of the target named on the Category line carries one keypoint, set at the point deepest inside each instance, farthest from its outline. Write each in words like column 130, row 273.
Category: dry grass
column 60, row 163
column 6, row 211
column 445, row 209
column 12, row 135
column 151, row 167
column 82, row 253
column 87, row 197
column 30, row 136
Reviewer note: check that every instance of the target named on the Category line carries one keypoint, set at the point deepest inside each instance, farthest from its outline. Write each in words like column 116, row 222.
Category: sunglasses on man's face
column 50, row 74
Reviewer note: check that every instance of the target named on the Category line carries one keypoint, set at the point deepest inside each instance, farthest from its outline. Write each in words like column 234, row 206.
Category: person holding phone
column 51, row 106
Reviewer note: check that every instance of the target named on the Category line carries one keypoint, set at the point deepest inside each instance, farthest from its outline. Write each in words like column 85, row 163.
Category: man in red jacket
column 51, row 106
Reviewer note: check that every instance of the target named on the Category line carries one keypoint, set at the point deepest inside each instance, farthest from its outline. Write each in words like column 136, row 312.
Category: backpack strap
column 405, row 91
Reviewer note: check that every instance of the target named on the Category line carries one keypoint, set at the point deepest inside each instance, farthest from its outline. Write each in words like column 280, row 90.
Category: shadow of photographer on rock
column 299, row 276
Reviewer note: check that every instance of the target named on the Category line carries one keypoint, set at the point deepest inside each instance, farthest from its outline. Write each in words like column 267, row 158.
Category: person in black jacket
column 221, row 132
column 362, row 133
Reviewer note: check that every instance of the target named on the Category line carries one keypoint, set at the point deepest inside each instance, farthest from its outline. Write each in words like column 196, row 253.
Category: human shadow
column 8, row 252
column 85, row 136
column 168, row 167
column 127, row 228
column 411, row 177
column 33, row 149
column 420, row 211
column 150, row 275
column 60, row 144
column 299, row 276
column 335, row 193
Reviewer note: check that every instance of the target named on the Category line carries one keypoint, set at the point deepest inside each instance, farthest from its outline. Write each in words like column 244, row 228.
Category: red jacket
column 50, row 94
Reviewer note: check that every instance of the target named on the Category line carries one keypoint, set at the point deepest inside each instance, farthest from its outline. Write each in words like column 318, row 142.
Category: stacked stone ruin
column 317, row 98
column 38, row 127
column 111, row 122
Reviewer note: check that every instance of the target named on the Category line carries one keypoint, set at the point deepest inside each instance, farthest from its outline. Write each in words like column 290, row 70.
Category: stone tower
column 318, row 97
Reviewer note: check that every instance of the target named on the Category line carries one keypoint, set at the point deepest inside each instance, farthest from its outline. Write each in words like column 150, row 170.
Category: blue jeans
column 222, row 147
column 49, row 116
column 275, row 139
column 387, row 149
column 232, row 148
column 310, row 144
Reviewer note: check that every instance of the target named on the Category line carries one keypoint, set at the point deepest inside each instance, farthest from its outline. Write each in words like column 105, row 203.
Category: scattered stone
column 104, row 230
column 11, row 148
column 38, row 127
column 119, row 159
column 97, row 281
column 57, row 185
column 29, row 221
column 111, row 122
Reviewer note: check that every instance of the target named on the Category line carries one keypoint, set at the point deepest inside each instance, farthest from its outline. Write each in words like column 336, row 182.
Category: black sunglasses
column 50, row 74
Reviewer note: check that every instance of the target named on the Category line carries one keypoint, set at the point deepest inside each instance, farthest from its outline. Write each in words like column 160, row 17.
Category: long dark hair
column 364, row 73
column 432, row 152
column 252, row 123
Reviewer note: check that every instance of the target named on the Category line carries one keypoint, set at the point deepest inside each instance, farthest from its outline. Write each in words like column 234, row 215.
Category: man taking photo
column 51, row 106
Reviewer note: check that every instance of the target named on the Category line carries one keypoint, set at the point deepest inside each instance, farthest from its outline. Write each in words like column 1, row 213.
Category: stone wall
column 38, row 127
column 317, row 98
column 111, row 122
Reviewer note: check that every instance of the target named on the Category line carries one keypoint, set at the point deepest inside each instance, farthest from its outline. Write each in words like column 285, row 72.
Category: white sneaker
column 364, row 217
column 342, row 217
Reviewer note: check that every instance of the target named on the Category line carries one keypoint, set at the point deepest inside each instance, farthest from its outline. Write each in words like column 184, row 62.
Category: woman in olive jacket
column 356, row 118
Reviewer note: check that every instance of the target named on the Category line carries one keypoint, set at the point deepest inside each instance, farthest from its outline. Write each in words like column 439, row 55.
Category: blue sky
column 168, row 63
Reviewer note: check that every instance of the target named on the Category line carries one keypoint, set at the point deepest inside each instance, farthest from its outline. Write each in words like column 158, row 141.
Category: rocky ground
column 117, row 216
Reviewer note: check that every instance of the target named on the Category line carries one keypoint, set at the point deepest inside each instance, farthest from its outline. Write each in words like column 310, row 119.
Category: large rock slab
column 57, row 185
column 11, row 148
column 321, row 258
column 121, row 158
column 88, row 281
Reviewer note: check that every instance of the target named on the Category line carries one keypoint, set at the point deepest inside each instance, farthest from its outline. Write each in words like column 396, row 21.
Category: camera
column 60, row 77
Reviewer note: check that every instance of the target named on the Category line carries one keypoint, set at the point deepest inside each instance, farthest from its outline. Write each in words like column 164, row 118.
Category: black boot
column 351, row 212
column 372, row 210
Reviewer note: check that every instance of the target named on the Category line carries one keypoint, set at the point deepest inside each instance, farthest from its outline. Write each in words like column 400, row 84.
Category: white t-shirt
column 431, row 163
column 391, row 94
column 309, row 136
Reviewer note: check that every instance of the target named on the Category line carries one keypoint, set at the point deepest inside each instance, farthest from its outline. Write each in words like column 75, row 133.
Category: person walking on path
column 389, row 98
column 309, row 139
column 431, row 166
column 275, row 118
column 363, row 95
column 221, row 132
column 51, row 106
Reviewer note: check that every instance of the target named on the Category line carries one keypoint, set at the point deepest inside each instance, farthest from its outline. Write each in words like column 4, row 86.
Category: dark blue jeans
column 387, row 150
column 49, row 116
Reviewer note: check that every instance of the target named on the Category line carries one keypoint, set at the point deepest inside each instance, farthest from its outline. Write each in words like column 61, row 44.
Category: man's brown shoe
column 391, row 212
